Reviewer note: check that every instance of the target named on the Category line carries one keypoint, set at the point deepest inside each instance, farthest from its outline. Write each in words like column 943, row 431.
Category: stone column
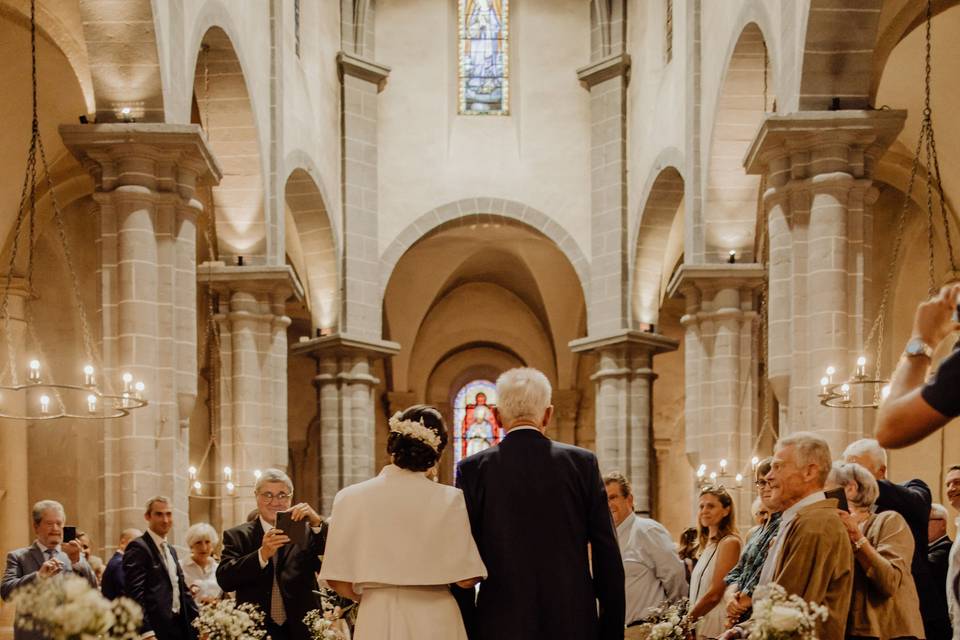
column 346, row 409
column 15, row 531
column 624, row 416
column 145, row 177
column 361, row 305
column 252, row 433
column 721, row 354
column 819, row 169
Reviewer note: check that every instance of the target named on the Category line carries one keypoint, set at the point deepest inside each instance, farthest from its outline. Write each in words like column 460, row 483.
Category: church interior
column 287, row 220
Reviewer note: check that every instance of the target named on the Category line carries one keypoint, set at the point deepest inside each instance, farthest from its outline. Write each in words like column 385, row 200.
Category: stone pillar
column 145, row 177
column 346, row 410
column 819, row 168
column 624, row 415
column 721, row 354
column 566, row 406
column 252, row 319
column 15, row 531
column 362, row 80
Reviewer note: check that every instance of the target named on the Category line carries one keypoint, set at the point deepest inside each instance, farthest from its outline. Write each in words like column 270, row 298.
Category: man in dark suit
column 938, row 554
column 111, row 582
column 48, row 556
column 912, row 500
column 153, row 578
column 261, row 564
column 538, row 511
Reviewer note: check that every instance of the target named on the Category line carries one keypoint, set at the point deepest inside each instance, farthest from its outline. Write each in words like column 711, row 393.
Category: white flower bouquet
column 68, row 608
column 778, row 616
column 668, row 621
column 227, row 620
column 332, row 621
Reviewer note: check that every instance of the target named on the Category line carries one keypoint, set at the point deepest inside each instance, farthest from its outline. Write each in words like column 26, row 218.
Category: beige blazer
column 816, row 563
column 885, row 603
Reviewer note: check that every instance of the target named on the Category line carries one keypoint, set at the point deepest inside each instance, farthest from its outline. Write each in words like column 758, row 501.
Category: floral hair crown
column 416, row 430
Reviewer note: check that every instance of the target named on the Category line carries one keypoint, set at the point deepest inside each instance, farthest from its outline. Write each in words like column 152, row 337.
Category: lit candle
column 861, row 367
column 127, row 378
column 845, row 391
column 138, row 389
column 723, row 465
column 824, row 381
column 830, row 371
column 257, row 473
column 713, row 475
column 88, row 375
column 193, row 472
column 34, row 374
column 701, row 470
column 732, row 256
column 739, row 480
column 227, row 473
column 92, row 403
column 230, row 488
column 754, row 461
column 197, row 486
column 44, row 404
column 885, row 392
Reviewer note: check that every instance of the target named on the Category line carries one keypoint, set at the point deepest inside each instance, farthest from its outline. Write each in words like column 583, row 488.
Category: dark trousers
column 277, row 631
column 179, row 631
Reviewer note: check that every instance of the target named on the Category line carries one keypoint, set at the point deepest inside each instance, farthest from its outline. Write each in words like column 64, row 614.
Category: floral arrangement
column 668, row 621
column 68, row 608
column 227, row 620
column 334, row 615
column 416, row 430
column 778, row 616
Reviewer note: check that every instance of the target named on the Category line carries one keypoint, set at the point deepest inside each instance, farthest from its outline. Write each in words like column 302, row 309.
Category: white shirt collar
column 56, row 549
column 157, row 540
column 626, row 525
column 790, row 513
column 266, row 525
column 524, row 427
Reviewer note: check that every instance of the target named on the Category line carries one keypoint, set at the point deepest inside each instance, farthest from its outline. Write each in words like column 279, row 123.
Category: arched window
column 484, row 70
column 475, row 427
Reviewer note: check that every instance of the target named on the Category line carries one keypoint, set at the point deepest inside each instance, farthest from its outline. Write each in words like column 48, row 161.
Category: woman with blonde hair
column 719, row 551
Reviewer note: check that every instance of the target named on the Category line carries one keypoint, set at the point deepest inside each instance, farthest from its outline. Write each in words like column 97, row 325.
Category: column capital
column 279, row 282
column 702, row 281
column 171, row 158
column 351, row 64
column 340, row 344
column 801, row 145
column 652, row 343
column 612, row 66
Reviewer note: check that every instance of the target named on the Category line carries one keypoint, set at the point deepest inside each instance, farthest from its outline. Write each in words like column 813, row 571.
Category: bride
column 398, row 541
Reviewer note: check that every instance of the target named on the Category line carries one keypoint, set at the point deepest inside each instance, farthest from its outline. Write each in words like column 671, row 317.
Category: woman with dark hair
column 687, row 549
column 398, row 541
column 719, row 551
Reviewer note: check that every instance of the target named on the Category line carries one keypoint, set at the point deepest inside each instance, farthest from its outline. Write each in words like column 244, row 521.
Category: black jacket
column 145, row 581
column 534, row 506
column 939, row 556
column 239, row 570
column 912, row 501
column 111, row 584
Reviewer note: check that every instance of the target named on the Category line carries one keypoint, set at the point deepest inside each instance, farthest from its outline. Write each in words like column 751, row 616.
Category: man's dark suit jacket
column 912, row 501
column 939, row 556
column 111, row 583
column 239, row 570
column 534, row 506
column 146, row 581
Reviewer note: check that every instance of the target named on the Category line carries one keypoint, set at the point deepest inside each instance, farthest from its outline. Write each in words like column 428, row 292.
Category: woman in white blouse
column 200, row 570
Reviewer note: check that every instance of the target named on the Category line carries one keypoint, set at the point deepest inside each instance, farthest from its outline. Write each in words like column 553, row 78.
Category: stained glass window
column 484, row 70
column 475, row 425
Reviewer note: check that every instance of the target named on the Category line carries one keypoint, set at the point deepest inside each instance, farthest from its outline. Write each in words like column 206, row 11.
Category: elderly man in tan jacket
column 811, row 556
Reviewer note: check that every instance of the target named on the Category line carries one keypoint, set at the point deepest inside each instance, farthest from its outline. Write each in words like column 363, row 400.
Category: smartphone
column 296, row 531
column 69, row 534
column 841, row 497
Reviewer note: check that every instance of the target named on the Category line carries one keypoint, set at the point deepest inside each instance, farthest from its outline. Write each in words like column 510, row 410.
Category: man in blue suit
column 153, row 578
column 47, row 557
column 111, row 583
column 538, row 511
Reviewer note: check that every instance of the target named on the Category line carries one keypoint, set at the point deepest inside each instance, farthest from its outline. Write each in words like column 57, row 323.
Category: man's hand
column 934, row 319
column 272, row 540
column 853, row 529
column 49, row 568
column 303, row 510
column 73, row 550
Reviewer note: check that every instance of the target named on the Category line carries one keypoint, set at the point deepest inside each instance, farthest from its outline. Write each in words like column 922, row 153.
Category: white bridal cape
column 401, row 539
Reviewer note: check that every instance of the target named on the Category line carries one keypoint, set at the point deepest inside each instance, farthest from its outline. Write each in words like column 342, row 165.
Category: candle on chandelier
column 723, row 466
column 197, row 487
column 713, row 475
column 824, row 382
column 739, row 480
column 44, row 404
column 92, row 403
column 227, row 473
column 861, row 367
column 127, row 378
column 831, row 370
column 138, row 389
column 256, row 474
column 34, row 373
column 845, row 392
column 754, row 461
column 701, row 470
column 88, row 375
column 230, row 488
column 192, row 472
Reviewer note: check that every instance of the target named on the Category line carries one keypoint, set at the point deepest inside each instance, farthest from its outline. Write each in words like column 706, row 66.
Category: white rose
column 785, row 618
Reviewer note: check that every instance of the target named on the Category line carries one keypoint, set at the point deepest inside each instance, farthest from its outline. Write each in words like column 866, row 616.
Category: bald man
column 111, row 584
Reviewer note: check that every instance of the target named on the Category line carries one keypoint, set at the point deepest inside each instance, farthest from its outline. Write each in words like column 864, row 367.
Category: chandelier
column 864, row 389
column 39, row 396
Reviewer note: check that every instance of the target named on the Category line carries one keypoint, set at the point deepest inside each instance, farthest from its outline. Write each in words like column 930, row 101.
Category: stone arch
column 318, row 242
column 730, row 199
column 470, row 211
column 662, row 206
column 229, row 120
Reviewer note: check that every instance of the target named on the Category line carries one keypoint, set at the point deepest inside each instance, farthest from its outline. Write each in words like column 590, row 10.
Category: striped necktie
column 277, row 611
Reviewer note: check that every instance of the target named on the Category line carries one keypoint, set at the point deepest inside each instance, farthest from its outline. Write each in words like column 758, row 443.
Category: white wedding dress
column 401, row 540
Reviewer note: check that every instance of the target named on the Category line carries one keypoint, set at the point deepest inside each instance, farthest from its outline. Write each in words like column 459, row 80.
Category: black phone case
column 296, row 531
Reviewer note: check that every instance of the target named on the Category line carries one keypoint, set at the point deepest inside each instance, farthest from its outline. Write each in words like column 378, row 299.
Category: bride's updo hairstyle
column 417, row 438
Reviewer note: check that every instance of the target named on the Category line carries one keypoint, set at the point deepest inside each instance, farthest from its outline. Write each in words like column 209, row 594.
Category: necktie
column 277, row 612
column 170, row 565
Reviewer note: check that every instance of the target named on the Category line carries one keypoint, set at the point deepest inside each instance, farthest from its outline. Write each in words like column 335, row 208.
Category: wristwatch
column 917, row 347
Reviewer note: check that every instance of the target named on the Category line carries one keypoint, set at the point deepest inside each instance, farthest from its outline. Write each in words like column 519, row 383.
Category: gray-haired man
column 48, row 556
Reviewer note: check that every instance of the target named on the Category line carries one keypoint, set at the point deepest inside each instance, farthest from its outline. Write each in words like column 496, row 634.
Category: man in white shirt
column 953, row 570
column 653, row 570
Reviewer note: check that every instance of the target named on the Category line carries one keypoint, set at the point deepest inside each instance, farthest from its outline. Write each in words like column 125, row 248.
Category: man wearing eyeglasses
column 264, row 567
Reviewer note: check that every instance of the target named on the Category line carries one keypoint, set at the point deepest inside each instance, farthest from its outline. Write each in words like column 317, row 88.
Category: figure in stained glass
column 477, row 426
column 483, row 56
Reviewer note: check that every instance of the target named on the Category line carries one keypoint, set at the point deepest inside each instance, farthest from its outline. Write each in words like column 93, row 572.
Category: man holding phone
column 272, row 560
column 50, row 555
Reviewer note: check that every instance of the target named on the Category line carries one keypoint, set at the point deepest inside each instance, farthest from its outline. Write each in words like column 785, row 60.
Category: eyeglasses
column 269, row 496
column 761, row 483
